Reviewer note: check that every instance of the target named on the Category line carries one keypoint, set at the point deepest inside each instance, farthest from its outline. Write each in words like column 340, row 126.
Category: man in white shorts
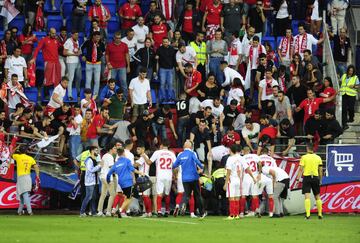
column 232, row 183
column 255, row 189
column 164, row 158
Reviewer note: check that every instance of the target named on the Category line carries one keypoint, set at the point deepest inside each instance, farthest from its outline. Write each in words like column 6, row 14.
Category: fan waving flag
column 9, row 11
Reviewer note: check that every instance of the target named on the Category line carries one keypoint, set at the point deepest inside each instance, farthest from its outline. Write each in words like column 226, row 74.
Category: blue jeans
column 167, row 83
column 90, row 196
column 25, row 199
column 214, row 67
column 159, row 129
column 182, row 130
column 93, row 70
column 75, row 145
column 121, row 74
column 74, row 68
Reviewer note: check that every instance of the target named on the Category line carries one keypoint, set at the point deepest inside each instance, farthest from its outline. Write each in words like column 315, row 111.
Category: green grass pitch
column 71, row 228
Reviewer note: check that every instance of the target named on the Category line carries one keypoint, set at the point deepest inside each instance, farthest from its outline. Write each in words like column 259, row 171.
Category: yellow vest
column 200, row 51
column 84, row 155
column 344, row 89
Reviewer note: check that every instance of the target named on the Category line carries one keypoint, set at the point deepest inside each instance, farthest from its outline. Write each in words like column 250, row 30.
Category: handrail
column 329, row 68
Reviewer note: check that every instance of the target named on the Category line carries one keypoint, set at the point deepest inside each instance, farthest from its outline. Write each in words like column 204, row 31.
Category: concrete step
column 350, row 134
column 349, row 141
column 353, row 127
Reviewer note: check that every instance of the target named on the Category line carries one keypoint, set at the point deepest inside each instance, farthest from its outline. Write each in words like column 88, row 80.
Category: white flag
column 9, row 11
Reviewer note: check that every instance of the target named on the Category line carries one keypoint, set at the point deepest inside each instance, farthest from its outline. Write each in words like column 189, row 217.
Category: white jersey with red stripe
column 143, row 166
column 266, row 160
column 218, row 152
column 233, row 164
column 164, row 160
column 252, row 160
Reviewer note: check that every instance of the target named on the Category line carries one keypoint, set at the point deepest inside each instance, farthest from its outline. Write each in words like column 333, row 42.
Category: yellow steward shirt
column 23, row 164
column 310, row 163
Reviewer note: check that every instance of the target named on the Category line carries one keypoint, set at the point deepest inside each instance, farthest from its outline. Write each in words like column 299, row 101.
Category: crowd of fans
column 201, row 70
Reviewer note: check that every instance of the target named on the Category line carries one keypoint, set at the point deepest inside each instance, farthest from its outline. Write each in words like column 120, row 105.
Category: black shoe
column 276, row 216
column 345, row 127
column 320, row 217
column 119, row 214
column 281, row 215
column 166, row 215
column 159, row 215
column 258, row 215
column 307, row 218
column 71, row 98
column 350, row 120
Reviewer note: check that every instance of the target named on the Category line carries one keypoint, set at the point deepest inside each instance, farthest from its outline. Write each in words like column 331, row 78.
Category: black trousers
column 348, row 108
column 202, row 69
column 194, row 187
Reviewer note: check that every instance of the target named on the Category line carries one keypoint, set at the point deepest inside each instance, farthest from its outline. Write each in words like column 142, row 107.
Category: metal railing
column 329, row 68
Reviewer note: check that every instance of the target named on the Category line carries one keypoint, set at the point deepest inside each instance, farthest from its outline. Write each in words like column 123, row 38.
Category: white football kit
column 233, row 187
column 144, row 168
column 164, row 160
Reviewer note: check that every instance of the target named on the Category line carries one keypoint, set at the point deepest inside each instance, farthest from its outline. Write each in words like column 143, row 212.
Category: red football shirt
column 192, row 81
column 310, row 106
column 26, row 49
column 214, row 14
column 159, row 32
column 203, row 4
column 127, row 11
column 228, row 141
column 188, row 21
column 98, row 121
column 117, row 54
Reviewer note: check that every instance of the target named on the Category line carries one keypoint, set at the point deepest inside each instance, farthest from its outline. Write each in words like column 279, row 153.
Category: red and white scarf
column 94, row 53
column 251, row 53
column 268, row 88
column 75, row 45
column 303, row 47
column 8, row 89
column 104, row 12
column 282, row 83
column 285, row 46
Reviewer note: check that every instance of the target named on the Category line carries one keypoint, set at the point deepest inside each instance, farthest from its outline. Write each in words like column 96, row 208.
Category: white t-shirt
column 69, row 46
column 140, row 90
column 310, row 42
column 140, row 34
column 61, row 92
column 143, row 166
column 267, row 95
column 131, row 45
column 252, row 135
column 216, row 111
column 239, row 122
column 280, row 174
column 266, row 160
column 283, row 11
column 129, row 155
column 235, row 51
column 13, row 100
column 252, row 160
column 254, row 61
column 245, row 45
column 218, row 152
column 235, row 94
column 230, row 74
column 108, row 160
column 16, row 65
column 187, row 57
column 164, row 160
column 75, row 131
column 233, row 164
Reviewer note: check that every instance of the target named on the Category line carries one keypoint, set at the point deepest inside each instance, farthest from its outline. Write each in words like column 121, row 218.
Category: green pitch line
column 50, row 228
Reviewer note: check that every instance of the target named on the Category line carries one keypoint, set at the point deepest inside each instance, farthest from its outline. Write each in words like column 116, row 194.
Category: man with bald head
column 190, row 167
column 49, row 46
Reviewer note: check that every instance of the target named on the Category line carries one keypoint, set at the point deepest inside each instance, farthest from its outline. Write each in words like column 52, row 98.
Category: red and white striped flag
column 9, row 11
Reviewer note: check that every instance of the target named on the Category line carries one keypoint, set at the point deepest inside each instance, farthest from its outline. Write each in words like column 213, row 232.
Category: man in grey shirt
column 217, row 50
column 282, row 108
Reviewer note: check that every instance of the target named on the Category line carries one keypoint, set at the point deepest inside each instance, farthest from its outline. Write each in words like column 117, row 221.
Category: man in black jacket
column 331, row 130
column 141, row 128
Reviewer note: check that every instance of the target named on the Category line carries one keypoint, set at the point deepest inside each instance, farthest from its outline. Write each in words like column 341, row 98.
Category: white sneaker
column 241, row 215
column 124, row 215
column 83, row 215
column 90, row 214
column 108, row 214
column 193, row 216
column 100, row 214
column 271, row 214
column 250, row 214
column 145, row 215
column 150, row 215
